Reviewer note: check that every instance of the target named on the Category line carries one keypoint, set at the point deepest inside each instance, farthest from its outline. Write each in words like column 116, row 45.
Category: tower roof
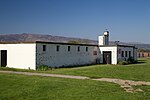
column 106, row 32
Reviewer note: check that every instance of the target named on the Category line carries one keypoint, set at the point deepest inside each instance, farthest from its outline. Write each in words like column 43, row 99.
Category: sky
column 126, row 20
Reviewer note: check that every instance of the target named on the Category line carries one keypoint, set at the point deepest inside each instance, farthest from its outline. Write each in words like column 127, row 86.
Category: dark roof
column 47, row 43
column 65, row 43
column 117, row 46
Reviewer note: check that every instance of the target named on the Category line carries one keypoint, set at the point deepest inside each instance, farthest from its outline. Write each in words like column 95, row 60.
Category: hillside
column 25, row 37
column 40, row 37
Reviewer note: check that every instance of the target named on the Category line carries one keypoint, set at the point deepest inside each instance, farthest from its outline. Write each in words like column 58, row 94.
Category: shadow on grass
column 141, row 62
column 77, row 66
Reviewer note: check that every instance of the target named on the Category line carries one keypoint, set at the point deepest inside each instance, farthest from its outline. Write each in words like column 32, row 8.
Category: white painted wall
column 113, row 50
column 20, row 55
column 100, row 40
column 103, row 39
column 117, row 53
column 63, row 57
column 0, row 58
column 30, row 55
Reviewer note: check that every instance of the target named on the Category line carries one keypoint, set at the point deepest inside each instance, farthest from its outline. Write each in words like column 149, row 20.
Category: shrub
column 42, row 68
column 123, row 63
column 131, row 60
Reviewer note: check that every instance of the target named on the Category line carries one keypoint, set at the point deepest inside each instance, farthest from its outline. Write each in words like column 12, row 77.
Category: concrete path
column 127, row 85
column 42, row 74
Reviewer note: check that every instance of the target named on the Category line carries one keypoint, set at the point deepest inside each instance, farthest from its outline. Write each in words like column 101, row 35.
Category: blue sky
column 127, row 20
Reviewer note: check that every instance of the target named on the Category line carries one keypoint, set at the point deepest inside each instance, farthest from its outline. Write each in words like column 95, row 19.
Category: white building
column 112, row 54
column 29, row 55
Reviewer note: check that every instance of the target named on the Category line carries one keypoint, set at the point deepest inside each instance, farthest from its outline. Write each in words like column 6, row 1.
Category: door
column 3, row 58
column 107, row 57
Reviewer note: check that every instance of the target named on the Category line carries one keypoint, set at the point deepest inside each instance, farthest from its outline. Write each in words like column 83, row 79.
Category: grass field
column 140, row 71
column 21, row 87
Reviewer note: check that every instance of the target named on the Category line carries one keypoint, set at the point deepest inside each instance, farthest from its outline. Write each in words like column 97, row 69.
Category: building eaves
column 117, row 46
column 65, row 43
column 31, row 42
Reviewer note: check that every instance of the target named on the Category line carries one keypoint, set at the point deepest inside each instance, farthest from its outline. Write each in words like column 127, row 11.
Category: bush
column 131, row 60
column 42, row 68
column 123, row 63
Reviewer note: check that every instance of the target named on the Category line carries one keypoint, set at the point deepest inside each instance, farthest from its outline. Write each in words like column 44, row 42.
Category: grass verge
column 140, row 71
column 21, row 87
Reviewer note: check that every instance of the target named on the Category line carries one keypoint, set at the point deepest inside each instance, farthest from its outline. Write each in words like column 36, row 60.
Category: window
column 94, row 52
column 78, row 48
column 57, row 48
column 129, row 53
column 122, row 54
column 139, row 55
column 68, row 48
column 44, row 47
column 119, row 51
column 126, row 53
column 86, row 49
column 142, row 54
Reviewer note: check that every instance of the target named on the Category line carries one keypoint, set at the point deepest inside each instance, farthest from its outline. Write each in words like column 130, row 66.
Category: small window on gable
column 78, row 48
column 68, row 48
column 122, row 53
column 57, row 48
column 126, row 53
column 86, row 49
column 94, row 52
column 44, row 47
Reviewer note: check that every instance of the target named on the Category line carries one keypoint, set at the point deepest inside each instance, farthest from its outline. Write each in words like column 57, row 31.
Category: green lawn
column 21, row 87
column 140, row 71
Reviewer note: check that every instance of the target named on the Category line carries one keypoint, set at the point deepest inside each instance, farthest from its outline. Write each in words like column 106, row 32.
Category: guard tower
column 104, row 39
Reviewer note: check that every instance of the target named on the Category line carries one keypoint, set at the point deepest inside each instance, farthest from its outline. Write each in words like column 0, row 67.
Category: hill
column 26, row 37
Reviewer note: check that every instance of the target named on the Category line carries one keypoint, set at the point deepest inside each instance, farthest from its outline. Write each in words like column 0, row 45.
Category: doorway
column 107, row 57
column 3, row 58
